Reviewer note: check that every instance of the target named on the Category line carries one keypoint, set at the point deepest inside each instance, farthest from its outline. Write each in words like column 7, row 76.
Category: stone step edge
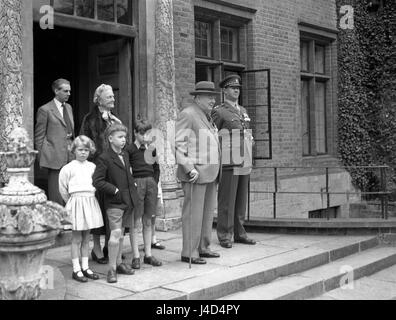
column 320, row 287
column 266, row 276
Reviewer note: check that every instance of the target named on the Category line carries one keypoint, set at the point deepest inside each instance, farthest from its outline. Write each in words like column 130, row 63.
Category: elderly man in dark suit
column 233, row 122
column 53, row 134
column 198, row 157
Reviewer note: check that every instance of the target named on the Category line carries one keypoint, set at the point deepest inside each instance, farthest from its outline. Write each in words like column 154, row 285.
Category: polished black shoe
column 112, row 276
column 95, row 258
column 245, row 241
column 193, row 260
column 124, row 269
column 226, row 244
column 153, row 261
column 78, row 278
column 135, row 263
column 209, row 254
column 90, row 275
column 158, row 246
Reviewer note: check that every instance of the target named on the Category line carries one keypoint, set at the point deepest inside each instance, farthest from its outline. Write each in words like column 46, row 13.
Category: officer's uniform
column 233, row 122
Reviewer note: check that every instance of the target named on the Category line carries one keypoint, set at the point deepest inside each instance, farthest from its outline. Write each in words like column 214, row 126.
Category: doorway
column 87, row 59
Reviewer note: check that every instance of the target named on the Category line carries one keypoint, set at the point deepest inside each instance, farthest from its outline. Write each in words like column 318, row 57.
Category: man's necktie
column 66, row 118
column 120, row 155
column 142, row 147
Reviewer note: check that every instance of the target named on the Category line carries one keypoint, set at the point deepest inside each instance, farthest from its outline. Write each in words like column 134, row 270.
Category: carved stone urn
column 28, row 223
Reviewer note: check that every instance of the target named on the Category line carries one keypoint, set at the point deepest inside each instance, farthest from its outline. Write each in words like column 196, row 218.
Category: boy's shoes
column 122, row 268
column 158, row 246
column 95, row 258
column 79, row 276
column 111, row 276
column 136, row 263
column 152, row 260
column 90, row 274
column 193, row 260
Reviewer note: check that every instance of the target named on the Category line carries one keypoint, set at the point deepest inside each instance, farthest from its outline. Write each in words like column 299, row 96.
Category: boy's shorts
column 118, row 218
column 148, row 196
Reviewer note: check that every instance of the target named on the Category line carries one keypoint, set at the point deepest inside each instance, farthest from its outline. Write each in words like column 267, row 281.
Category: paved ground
column 175, row 277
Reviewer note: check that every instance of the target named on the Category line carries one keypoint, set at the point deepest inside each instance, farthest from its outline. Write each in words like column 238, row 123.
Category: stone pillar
column 11, row 86
column 166, row 114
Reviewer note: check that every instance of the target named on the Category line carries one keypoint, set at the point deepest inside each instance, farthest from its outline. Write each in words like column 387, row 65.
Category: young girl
column 75, row 187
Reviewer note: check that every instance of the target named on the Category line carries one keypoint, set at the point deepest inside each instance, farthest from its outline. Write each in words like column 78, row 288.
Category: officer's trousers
column 231, row 208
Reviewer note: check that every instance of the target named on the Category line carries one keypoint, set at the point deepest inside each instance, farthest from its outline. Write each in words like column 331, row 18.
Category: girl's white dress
column 75, row 187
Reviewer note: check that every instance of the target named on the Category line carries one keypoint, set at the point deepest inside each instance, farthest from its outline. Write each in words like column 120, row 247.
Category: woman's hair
column 142, row 126
column 85, row 142
column 98, row 92
column 114, row 128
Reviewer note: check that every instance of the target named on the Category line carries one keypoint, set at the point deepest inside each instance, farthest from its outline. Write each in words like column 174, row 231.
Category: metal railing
column 383, row 193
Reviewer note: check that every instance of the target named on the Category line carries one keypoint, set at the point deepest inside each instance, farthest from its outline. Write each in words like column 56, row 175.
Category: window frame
column 315, row 38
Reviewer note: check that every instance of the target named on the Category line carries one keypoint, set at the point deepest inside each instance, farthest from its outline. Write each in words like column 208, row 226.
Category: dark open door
column 110, row 63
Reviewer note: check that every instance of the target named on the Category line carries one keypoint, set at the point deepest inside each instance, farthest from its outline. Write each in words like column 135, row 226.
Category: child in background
column 142, row 158
column 76, row 189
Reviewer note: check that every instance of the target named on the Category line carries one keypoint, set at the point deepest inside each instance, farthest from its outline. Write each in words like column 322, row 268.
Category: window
column 228, row 40
column 217, row 45
column 203, row 39
column 315, row 84
column 117, row 11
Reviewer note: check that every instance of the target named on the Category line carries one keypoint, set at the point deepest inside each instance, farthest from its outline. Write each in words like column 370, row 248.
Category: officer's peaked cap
column 232, row 80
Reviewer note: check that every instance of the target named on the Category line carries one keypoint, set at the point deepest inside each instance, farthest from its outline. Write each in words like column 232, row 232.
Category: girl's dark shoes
column 90, row 275
column 95, row 258
column 79, row 276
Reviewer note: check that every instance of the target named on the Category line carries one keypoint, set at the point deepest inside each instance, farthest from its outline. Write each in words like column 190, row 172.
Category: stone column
column 166, row 114
column 11, row 94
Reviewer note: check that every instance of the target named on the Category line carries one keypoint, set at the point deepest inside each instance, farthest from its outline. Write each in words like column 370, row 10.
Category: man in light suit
column 54, row 132
column 198, row 158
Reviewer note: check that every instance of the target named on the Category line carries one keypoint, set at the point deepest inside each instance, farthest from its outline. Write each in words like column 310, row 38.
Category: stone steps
column 379, row 286
column 320, row 279
column 255, row 273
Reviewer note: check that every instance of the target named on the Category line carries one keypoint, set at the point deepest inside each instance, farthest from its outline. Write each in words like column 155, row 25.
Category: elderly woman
column 93, row 126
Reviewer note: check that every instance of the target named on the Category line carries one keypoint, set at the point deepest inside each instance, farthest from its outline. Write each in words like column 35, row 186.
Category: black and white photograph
column 219, row 152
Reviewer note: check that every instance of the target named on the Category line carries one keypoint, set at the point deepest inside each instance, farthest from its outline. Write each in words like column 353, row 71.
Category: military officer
column 232, row 122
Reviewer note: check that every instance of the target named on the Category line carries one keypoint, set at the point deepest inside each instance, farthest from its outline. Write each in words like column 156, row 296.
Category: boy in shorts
column 142, row 157
column 114, row 178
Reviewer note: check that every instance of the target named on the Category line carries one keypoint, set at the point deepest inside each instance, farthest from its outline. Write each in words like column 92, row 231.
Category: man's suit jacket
column 111, row 173
column 50, row 136
column 197, row 145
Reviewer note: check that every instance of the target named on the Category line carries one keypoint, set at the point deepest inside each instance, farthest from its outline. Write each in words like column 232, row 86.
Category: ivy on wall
column 367, row 91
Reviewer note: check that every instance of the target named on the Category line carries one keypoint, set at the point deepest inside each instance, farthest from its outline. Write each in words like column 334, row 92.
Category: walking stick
column 190, row 226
